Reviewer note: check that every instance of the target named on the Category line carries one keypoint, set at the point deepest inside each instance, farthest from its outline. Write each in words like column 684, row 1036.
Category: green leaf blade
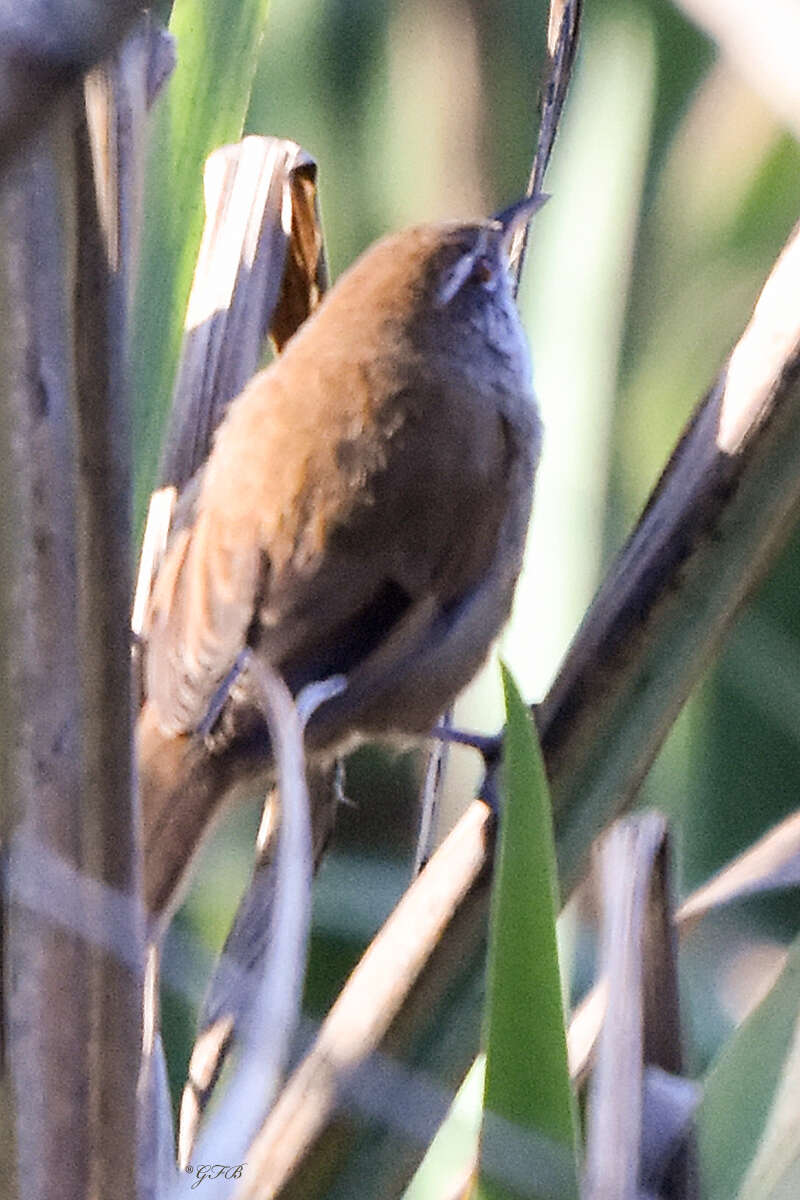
column 527, row 1076
column 204, row 105
column 743, row 1089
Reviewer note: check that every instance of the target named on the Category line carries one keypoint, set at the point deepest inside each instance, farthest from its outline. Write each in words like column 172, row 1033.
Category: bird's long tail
column 181, row 789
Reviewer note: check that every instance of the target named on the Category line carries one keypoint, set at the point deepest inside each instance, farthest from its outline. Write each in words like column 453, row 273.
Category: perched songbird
column 362, row 512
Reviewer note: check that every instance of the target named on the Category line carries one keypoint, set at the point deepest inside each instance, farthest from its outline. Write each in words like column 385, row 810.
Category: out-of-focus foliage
column 735, row 1138
column 673, row 189
column 204, row 106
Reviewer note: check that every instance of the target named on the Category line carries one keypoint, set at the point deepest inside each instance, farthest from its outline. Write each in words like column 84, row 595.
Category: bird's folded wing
column 201, row 609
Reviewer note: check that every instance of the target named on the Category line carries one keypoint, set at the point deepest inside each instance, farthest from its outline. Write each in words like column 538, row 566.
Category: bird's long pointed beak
column 511, row 218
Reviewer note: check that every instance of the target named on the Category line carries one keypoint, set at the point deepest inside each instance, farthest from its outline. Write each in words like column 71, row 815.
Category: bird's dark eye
column 482, row 270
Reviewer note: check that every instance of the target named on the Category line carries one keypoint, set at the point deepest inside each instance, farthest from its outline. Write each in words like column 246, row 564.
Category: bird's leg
column 490, row 748
column 306, row 701
column 488, row 745
column 217, row 702
column 435, row 772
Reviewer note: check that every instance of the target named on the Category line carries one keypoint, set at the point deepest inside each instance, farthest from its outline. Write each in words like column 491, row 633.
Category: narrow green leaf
column 452, row 1151
column 774, row 1172
column 529, row 1134
column 741, row 1089
column 203, row 106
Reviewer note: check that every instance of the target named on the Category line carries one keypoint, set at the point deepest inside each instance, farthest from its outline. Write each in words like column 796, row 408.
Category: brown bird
column 362, row 512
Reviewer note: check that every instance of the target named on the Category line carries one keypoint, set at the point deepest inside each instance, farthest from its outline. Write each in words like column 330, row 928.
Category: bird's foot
column 205, row 729
column 490, row 748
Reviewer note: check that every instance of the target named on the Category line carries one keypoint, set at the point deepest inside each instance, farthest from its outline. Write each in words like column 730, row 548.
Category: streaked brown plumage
column 363, row 511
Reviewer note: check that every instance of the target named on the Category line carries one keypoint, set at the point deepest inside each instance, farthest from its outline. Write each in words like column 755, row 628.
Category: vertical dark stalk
column 73, row 942
column 48, row 961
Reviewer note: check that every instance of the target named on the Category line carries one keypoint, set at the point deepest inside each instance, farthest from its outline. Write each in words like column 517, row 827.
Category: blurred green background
column 674, row 187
